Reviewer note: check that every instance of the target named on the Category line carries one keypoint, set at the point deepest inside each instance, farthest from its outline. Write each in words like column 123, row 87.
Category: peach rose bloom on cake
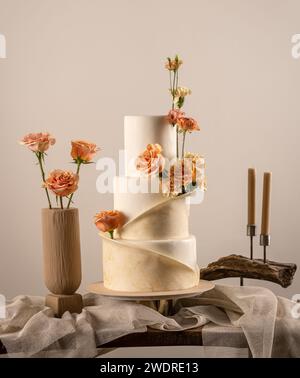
column 151, row 160
column 188, row 124
column 62, row 183
column 83, row 150
column 174, row 116
column 108, row 221
column 38, row 142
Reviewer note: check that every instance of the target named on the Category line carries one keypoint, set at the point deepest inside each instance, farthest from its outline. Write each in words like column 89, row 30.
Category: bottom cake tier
column 150, row 265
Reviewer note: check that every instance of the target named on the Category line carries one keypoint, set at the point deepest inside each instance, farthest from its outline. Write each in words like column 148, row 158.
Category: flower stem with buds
column 174, row 86
column 79, row 162
column 39, row 156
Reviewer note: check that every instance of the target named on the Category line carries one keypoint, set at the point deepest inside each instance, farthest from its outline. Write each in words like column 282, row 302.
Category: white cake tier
column 152, row 265
column 139, row 131
column 182, row 250
column 149, row 216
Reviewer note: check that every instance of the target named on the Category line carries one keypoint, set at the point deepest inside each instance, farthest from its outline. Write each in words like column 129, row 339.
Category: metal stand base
column 251, row 231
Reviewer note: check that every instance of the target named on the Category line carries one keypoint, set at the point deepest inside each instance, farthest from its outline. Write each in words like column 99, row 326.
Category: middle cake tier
column 148, row 214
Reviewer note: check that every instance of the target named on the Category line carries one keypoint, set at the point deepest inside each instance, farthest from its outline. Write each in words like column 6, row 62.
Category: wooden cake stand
column 160, row 301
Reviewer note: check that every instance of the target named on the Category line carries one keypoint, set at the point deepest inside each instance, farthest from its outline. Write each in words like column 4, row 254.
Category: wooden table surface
column 153, row 338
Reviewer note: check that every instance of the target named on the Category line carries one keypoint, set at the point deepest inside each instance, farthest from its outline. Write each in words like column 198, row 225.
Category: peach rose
column 108, row 221
column 151, row 160
column 174, row 116
column 180, row 176
column 83, row 151
column 38, row 142
column 188, row 124
column 62, row 183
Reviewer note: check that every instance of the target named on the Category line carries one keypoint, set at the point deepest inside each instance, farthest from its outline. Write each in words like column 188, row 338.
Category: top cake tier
column 139, row 131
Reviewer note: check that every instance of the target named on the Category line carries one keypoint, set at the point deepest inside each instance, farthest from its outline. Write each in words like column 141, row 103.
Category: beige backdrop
column 75, row 68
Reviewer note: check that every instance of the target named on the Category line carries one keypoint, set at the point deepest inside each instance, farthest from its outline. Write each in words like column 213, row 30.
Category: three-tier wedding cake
column 146, row 242
column 152, row 251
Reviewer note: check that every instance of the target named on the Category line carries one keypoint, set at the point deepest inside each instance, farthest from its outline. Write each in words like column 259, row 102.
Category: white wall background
column 75, row 68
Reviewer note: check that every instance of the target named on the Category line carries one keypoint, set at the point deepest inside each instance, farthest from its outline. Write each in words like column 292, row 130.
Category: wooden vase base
column 61, row 303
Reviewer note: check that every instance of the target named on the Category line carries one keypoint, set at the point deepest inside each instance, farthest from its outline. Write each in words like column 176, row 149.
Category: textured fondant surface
column 130, row 267
column 182, row 250
column 142, row 130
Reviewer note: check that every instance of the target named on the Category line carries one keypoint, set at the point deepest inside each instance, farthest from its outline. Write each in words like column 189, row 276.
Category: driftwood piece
column 241, row 266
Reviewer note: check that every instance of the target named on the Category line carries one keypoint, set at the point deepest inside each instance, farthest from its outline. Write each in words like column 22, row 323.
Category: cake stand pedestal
column 161, row 301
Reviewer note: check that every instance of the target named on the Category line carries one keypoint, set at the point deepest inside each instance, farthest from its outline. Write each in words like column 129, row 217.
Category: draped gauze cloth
column 30, row 330
column 153, row 251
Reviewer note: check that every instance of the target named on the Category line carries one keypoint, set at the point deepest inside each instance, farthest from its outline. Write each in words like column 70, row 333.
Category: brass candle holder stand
column 251, row 232
column 233, row 265
column 265, row 241
column 239, row 266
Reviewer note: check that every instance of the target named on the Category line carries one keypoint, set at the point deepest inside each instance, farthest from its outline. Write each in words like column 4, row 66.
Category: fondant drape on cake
column 153, row 251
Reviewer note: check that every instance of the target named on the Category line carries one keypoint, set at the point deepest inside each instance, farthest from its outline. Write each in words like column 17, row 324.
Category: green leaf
column 180, row 102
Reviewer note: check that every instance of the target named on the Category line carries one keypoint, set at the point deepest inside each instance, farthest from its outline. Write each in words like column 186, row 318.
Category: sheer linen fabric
column 266, row 322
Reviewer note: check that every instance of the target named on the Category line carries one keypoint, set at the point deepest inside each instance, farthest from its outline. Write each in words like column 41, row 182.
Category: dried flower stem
column 183, row 143
column 177, row 142
column 39, row 156
column 61, row 202
column 77, row 172
column 174, row 85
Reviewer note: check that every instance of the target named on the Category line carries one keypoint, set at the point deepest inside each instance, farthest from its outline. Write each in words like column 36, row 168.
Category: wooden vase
column 62, row 261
